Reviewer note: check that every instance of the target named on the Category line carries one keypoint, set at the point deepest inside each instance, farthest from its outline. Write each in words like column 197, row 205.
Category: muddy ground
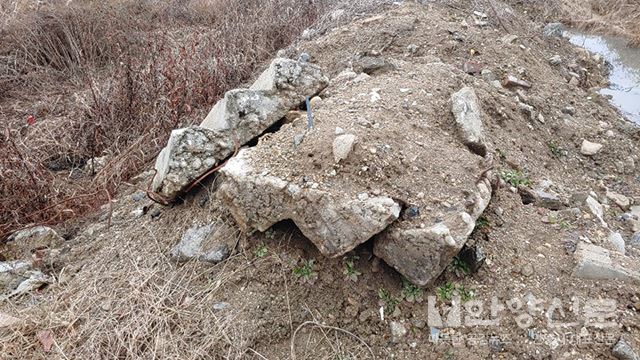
column 119, row 294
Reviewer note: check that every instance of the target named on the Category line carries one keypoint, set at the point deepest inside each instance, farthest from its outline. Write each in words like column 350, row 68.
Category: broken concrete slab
column 597, row 263
column 18, row 277
column 190, row 153
column 334, row 222
column 466, row 110
column 421, row 254
column 430, row 172
column 240, row 116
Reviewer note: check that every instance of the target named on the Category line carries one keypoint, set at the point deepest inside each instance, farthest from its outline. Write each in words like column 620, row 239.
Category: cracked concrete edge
column 335, row 224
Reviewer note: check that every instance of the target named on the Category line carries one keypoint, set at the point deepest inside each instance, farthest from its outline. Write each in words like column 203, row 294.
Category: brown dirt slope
column 119, row 295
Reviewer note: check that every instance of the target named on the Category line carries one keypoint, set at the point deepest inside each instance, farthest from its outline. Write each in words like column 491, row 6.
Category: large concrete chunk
column 334, row 222
column 340, row 199
column 466, row 110
column 421, row 254
column 597, row 263
column 239, row 117
column 190, row 153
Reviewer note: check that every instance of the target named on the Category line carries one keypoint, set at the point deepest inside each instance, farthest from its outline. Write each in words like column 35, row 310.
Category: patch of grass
column 261, row 250
column 411, row 292
column 446, row 291
column 465, row 294
column 515, row 178
column 565, row 225
column 449, row 290
column 557, row 152
column 390, row 302
column 350, row 269
column 304, row 272
column 482, row 223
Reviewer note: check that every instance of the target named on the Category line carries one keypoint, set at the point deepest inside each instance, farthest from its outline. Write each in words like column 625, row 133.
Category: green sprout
column 389, row 301
column 556, row 151
column 262, row 250
column 305, row 272
column 350, row 269
column 411, row 292
column 482, row 222
column 515, row 178
column 459, row 267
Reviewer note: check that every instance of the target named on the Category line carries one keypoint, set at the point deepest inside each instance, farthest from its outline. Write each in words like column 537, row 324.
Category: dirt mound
column 119, row 294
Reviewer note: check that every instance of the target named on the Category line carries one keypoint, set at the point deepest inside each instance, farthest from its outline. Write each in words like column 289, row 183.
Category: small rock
column 623, row 351
column 570, row 110
column 371, row 65
column 315, row 102
column 635, row 240
column 596, row 208
column 138, row 196
column 555, row 60
column 527, row 270
column 398, row 331
column 622, row 201
column 155, row 213
column 511, row 81
column 360, row 78
column 617, row 242
column 488, row 75
column 339, row 131
column 209, row 243
column 495, row 344
column 468, row 115
column 549, row 200
column 509, row 39
column 590, row 148
column 553, row 30
column 473, row 256
column 574, row 81
column 7, row 321
column 342, row 146
column 220, row 305
column 472, row 67
column 304, row 58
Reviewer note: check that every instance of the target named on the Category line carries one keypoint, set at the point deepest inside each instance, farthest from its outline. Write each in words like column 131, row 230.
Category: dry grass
column 113, row 78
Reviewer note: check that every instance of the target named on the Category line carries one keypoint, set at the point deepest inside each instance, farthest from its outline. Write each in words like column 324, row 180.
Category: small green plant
column 304, row 272
column 465, row 294
column 449, row 290
column 350, row 269
column 262, row 250
column 459, row 267
column 482, row 222
column 565, row 225
column 515, row 178
column 501, row 154
column 557, row 152
column 445, row 292
column 411, row 292
column 270, row 234
column 389, row 301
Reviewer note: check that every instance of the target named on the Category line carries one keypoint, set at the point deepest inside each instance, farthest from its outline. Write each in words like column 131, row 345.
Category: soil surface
column 119, row 294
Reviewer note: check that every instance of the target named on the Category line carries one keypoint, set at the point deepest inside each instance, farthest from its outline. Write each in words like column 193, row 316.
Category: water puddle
column 624, row 78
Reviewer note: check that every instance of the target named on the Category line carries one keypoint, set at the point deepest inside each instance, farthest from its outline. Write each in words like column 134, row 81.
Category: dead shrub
column 137, row 70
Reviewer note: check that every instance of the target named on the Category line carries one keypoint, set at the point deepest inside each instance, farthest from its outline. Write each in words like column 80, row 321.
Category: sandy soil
column 119, row 295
